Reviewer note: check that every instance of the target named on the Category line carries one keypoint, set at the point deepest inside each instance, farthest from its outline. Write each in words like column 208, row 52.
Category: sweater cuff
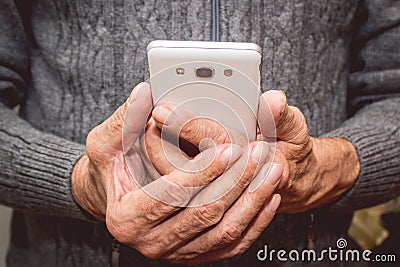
column 47, row 168
column 379, row 156
column 36, row 168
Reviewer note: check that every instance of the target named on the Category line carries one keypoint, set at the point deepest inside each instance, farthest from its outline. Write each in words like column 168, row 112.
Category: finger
column 208, row 207
column 122, row 181
column 252, row 233
column 173, row 191
column 270, row 105
column 278, row 119
column 137, row 115
column 195, row 129
column 131, row 117
column 238, row 217
column 164, row 196
column 162, row 155
column 236, row 178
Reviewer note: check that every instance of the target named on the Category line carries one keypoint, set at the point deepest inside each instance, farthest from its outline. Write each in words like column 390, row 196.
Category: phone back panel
column 231, row 99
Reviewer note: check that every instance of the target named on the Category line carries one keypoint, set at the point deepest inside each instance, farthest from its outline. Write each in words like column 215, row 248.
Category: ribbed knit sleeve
column 374, row 97
column 35, row 167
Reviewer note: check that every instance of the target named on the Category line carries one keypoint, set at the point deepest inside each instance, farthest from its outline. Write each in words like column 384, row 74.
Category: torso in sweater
column 86, row 56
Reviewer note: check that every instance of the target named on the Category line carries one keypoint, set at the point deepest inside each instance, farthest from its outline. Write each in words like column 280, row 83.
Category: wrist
column 85, row 189
column 337, row 162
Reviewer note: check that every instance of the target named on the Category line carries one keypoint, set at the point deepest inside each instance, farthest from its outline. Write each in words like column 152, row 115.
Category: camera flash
column 228, row 72
column 180, row 71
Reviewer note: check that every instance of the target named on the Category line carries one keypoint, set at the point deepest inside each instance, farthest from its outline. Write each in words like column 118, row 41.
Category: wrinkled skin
column 148, row 213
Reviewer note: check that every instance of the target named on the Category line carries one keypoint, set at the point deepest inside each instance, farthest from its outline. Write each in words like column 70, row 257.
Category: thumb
column 278, row 119
column 123, row 127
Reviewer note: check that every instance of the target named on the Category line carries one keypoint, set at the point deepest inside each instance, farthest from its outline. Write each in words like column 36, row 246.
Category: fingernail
column 164, row 115
column 206, row 143
column 230, row 154
column 135, row 93
column 274, row 203
column 282, row 92
column 259, row 179
column 260, row 152
column 269, row 174
column 274, row 174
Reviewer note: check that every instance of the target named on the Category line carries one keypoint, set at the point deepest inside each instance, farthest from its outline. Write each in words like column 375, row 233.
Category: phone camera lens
column 204, row 72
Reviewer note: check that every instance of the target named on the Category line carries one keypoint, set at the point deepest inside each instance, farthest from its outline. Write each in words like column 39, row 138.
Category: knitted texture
column 70, row 64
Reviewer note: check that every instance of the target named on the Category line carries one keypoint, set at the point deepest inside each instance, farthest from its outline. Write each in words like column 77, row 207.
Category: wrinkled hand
column 150, row 215
column 316, row 170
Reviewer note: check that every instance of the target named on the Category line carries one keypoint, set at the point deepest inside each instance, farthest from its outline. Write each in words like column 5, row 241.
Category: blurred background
column 378, row 228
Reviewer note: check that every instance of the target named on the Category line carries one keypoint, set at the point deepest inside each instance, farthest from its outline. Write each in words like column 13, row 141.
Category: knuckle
column 209, row 214
column 230, row 234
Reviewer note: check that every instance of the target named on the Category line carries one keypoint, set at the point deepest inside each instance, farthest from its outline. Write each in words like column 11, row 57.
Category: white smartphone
column 216, row 80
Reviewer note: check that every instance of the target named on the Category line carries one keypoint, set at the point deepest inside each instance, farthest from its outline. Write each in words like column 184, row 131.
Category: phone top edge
column 204, row 45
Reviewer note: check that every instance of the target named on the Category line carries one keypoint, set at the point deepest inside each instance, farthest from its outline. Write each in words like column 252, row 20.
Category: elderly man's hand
column 316, row 170
column 151, row 216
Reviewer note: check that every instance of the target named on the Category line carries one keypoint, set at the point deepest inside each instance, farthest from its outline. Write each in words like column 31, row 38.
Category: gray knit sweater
column 70, row 64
